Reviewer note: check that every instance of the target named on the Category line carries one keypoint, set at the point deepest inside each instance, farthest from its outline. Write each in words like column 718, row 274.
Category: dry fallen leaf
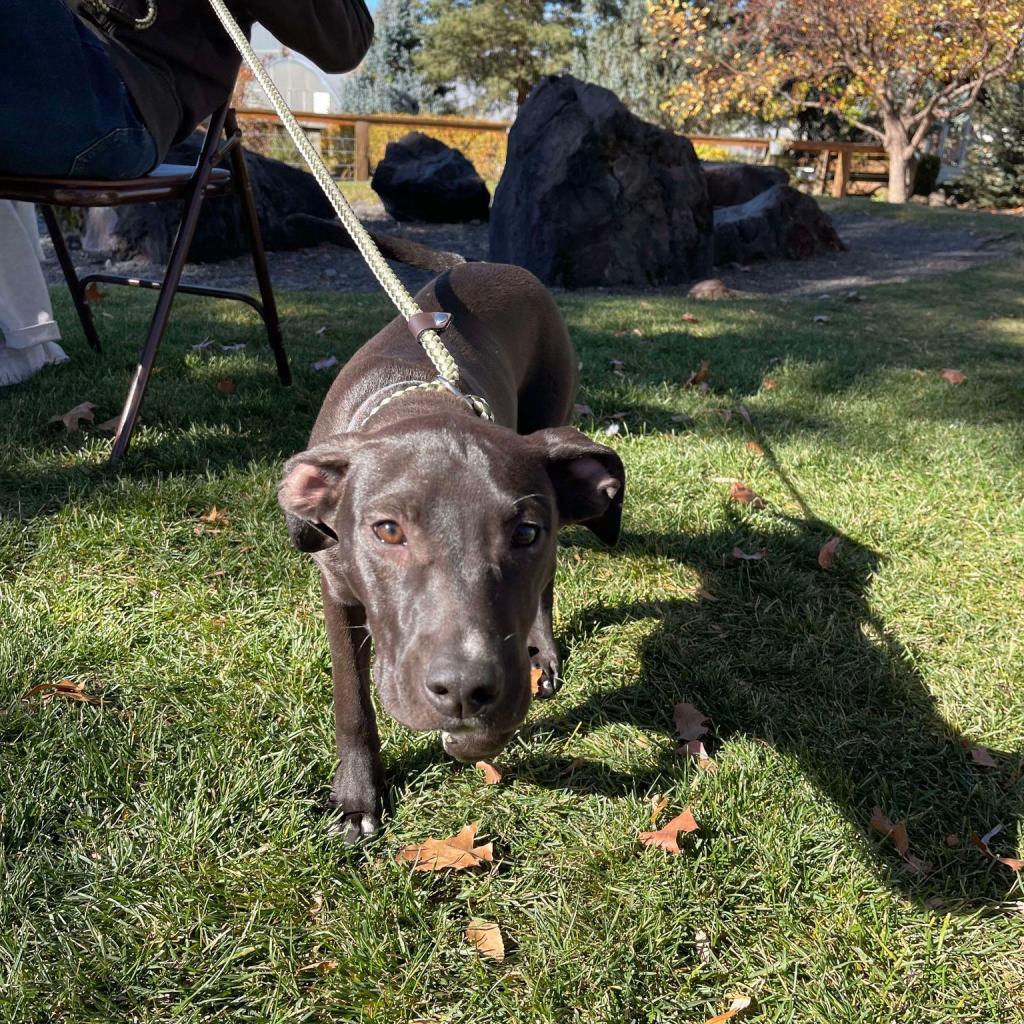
column 94, row 293
column 698, row 752
column 740, row 492
column 491, row 774
column 203, row 345
column 320, row 965
column 753, row 446
column 73, row 417
column 666, row 838
column 739, row 1005
column 827, row 554
column 952, row 840
column 897, row 833
column 536, row 675
column 109, row 426
column 658, row 804
column 689, row 318
column 457, row 853
column 769, row 384
column 216, row 517
column 983, row 756
column 226, row 387
column 486, row 936
column 571, row 768
column 704, row 594
column 316, row 904
column 700, row 375
column 953, row 376
column 981, row 842
column 702, row 946
column 320, row 331
column 756, row 556
column 691, row 724
column 237, row 347
column 68, row 689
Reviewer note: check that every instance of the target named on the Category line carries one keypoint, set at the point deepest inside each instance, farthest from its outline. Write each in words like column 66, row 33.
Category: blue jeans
column 64, row 111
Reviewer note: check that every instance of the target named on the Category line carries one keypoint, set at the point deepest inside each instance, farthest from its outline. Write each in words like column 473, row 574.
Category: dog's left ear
column 589, row 480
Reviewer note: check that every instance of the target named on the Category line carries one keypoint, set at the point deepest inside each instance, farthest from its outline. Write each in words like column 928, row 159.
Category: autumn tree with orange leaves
column 902, row 64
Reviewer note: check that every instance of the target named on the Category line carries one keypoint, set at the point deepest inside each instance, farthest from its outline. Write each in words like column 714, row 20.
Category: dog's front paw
column 549, row 682
column 351, row 826
column 355, row 803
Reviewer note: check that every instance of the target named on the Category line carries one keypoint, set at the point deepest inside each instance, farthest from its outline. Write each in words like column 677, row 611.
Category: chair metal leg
column 251, row 223
column 75, row 286
column 172, row 277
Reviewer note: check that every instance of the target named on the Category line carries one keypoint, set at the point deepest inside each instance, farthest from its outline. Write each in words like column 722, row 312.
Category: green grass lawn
column 164, row 852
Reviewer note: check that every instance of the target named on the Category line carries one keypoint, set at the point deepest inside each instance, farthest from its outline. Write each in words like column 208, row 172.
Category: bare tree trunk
column 901, row 159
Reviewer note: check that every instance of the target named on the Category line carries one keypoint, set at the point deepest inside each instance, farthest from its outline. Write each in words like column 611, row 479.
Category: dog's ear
column 589, row 480
column 310, row 491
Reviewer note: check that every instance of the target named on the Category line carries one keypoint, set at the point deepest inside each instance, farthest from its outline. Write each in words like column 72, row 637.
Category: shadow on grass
column 782, row 650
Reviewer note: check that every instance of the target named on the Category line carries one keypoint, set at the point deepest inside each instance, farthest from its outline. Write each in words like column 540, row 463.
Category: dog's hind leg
column 543, row 650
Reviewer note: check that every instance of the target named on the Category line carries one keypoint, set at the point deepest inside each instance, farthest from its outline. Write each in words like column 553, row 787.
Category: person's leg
column 28, row 332
column 64, row 111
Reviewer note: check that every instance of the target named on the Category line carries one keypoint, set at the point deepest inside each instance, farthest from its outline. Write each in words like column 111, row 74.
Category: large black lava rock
column 730, row 184
column 421, row 178
column 286, row 200
column 778, row 224
column 592, row 195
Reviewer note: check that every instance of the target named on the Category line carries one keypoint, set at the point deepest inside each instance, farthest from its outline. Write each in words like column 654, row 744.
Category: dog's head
column 446, row 536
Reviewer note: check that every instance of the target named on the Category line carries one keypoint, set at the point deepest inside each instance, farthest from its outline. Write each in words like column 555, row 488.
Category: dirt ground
column 880, row 250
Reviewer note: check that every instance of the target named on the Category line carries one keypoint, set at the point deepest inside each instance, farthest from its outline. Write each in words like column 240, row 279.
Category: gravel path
column 881, row 250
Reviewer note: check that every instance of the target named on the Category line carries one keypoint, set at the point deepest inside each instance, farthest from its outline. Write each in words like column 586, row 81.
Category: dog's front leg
column 543, row 649
column 358, row 791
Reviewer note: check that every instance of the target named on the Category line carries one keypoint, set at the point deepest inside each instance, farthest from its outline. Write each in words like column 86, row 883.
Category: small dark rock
column 730, row 184
column 422, row 179
column 778, row 224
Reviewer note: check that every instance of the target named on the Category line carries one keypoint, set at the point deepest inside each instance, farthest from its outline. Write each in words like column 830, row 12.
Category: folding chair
column 190, row 185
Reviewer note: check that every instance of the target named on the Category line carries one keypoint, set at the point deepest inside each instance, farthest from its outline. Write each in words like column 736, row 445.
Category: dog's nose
column 459, row 689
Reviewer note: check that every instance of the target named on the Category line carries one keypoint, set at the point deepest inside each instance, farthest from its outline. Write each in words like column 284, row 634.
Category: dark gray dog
column 435, row 530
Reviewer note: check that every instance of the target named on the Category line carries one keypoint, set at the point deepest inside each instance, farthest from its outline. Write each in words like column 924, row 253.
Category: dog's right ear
column 311, row 490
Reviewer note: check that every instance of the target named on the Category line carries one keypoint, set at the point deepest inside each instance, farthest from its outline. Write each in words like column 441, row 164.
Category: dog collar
column 376, row 401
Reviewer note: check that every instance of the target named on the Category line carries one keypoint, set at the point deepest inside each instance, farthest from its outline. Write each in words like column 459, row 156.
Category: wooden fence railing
column 364, row 136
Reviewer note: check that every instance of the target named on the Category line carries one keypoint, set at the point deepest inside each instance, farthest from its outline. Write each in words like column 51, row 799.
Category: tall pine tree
column 388, row 81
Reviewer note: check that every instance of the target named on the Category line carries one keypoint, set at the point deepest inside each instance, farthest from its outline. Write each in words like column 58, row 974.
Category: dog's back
column 507, row 338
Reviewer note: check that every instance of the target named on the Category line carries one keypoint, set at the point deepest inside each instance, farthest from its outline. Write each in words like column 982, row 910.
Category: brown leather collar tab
column 420, row 322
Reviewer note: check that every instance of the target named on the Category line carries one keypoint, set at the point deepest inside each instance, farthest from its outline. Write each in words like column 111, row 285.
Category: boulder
column 146, row 230
column 778, row 224
column 730, row 184
column 592, row 195
column 421, row 178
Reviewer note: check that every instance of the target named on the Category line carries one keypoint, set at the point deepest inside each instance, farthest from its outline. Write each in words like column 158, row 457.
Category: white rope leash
column 442, row 359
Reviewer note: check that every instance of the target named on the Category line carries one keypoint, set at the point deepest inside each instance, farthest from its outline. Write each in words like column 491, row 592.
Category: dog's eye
column 524, row 535
column 389, row 531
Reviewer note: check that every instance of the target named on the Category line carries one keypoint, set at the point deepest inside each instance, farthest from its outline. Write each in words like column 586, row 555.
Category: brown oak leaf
column 740, row 492
column 486, row 937
column 491, row 774
column 954, row 376
column 667, row 837
column 67, row 689
column 981, row 842
column 226, row 387
column 457, row 853
column 691, row 724
column 73, row 417
column 827, row 554
column 897, row 834
column 700, row 375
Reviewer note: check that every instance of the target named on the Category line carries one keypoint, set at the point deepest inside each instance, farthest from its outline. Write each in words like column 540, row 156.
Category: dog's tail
column 307, row 230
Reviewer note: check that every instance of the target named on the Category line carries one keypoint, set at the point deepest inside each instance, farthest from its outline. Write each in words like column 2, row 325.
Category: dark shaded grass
column 161, row 851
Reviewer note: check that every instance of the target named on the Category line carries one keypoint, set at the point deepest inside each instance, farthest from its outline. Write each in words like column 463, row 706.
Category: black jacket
column 184, row 66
